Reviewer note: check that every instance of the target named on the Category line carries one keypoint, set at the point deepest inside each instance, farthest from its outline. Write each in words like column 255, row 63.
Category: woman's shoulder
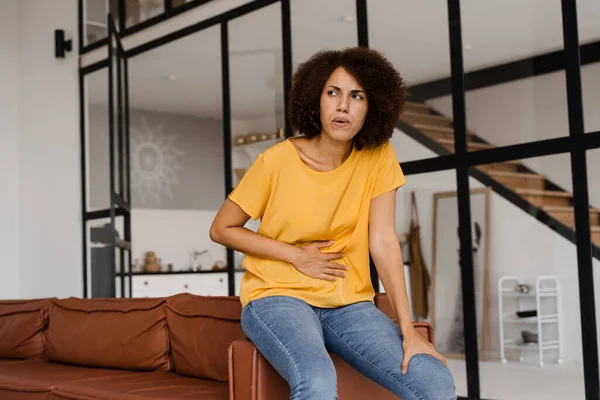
column 380, row 152
column 277, row 152
column 276, row 155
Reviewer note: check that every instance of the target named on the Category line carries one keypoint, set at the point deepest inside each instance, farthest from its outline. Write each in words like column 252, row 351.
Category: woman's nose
column 342, row 105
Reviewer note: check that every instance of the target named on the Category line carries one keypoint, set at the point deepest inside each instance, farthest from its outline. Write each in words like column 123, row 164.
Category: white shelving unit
column 546, row 290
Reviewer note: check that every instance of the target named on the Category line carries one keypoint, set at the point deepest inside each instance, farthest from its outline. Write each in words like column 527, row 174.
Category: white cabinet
column 202, row 284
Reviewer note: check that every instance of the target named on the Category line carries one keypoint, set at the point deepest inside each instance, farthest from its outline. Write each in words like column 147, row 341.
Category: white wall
column 534, row 109
column 9, row 121
column 49, row 192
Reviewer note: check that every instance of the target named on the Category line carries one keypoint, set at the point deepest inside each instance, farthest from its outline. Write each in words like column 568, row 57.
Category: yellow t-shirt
column 297, row 205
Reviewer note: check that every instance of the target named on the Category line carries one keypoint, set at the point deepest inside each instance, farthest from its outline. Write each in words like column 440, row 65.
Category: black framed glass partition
column 493, row 137
column 105, row 171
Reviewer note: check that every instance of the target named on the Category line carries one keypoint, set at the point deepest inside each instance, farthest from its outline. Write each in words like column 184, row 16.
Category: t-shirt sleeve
column 389, row 174
column 254, row 189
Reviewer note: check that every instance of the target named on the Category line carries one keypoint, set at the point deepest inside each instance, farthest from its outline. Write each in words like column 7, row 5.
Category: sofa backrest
column 187, row 333
column 201, row 330
column 22, row 328
column 110, row 333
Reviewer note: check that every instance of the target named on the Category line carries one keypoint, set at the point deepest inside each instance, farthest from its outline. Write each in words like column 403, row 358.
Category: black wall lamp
column 61, row 46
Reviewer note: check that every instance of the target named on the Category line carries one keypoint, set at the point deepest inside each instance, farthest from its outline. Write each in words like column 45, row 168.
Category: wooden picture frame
column 445, row 294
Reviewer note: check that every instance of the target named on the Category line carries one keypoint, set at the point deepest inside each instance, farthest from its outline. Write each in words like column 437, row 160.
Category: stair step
column 447, row 130
column 420, row 108
column 515, row 180
column 541, row 198
column 596, row 235
column 470, row 145
column 566, row 209
column 550, row 193
column 566, row 215
column 428, row 119
column 507, row 166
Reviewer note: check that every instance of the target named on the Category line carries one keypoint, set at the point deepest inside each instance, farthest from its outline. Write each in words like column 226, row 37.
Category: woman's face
column 344, row 106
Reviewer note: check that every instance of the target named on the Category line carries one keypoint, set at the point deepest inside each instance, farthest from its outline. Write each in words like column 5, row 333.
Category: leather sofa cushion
column 127, row 334
column 22, row 325
column 34, row 380
column 201, row 330
column 140, row 386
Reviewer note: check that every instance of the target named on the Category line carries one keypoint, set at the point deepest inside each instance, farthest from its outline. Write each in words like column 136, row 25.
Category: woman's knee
column 432, row 379
column 317, row 383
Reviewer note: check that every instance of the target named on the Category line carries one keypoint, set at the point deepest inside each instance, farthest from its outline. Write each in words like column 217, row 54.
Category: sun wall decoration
column 154, row 163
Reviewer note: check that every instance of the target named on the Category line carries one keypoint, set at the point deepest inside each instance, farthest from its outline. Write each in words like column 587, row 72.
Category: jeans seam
column 278, row 342
column 373, row 365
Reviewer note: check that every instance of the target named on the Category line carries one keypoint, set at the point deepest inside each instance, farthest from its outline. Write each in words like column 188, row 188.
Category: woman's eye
column 357, row 96
column 331, row 92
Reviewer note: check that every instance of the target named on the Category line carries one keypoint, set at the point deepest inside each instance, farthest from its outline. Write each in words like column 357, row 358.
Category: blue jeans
column 295, row 338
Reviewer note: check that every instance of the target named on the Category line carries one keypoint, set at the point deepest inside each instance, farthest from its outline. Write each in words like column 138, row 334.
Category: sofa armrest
column 425, row 329
column 251, row 377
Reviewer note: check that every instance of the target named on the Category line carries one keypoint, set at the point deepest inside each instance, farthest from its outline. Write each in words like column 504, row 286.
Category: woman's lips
column 340, row 122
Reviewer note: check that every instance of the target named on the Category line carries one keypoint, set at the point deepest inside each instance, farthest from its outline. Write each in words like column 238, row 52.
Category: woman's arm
column 386, row 253
column 228, row 229
column 385, row 250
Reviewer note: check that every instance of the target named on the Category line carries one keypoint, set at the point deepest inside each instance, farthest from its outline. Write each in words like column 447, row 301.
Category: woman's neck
column 331, row 151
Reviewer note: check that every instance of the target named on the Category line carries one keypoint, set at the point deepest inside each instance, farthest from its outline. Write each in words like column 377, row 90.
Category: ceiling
column 184, row 76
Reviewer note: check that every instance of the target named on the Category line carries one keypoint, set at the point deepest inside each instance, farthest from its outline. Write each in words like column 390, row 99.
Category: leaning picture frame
column 446, row 313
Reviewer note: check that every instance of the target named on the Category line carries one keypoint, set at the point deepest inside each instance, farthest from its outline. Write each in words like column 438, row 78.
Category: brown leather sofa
column 180, row 347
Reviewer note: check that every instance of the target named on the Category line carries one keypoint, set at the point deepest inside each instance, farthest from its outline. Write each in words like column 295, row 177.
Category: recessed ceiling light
column 348, row 18
column 171, row 77
column 468, row 46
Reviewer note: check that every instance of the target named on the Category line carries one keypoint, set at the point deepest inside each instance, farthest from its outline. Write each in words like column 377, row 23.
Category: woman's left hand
column 413, row 344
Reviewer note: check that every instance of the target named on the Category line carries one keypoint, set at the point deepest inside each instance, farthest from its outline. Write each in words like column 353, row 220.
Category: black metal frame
column 226, row 96
column 117, row 198
column 169, row 12
column 576, row 143
column 580, row 193
column 498, row 74
column 464, row 199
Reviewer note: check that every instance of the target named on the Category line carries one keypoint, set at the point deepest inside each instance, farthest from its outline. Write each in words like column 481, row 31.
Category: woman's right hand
column 311, row 261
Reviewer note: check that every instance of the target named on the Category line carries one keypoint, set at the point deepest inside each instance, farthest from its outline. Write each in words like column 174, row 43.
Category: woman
column 326, row 199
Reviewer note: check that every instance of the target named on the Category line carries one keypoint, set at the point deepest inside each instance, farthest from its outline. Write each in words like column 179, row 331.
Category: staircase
column 531, row 191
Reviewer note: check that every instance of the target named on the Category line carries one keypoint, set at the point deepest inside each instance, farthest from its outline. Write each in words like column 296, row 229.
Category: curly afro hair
column 382, row 83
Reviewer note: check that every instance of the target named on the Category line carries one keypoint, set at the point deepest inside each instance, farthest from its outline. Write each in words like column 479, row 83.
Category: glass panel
column 522, row 110
column 436, row 217
column 139, row 11
column 116, row 117
column 95, row 24
column 590, row 85
column 99, row 281
column 593, row 167
column 523, row 249
column 332, row 26
column 256, row 79
column 97, row 145
column 427, row 60
column 124, row 135
column 177, row 170
column 121, row 266
column 588, row 15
